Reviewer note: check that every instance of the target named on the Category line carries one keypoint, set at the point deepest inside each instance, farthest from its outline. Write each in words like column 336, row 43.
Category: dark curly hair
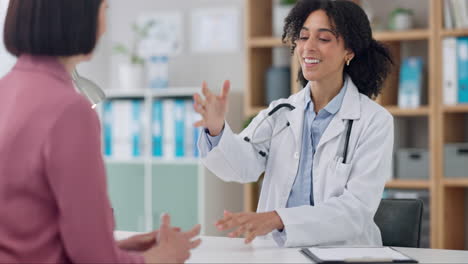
column 372, row 60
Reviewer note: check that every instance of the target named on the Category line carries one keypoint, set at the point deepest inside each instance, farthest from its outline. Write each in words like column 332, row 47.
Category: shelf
column 454, row 32
column 118, row 94
column 408, row 184
column 124, row 161
column 462, row 108
column 174, row 92
column 142, row 93
column 397, row 111
column 182, row 161
column 456, row 182
column 265, row 42
column 416, row 34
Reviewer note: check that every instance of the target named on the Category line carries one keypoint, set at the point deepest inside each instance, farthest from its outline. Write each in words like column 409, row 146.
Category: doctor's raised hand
column 212, row 108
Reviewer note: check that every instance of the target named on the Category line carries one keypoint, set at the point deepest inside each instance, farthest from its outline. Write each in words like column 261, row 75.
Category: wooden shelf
column 397, row 111
column 265, row 42
column 444, row 227
column 454, row 32
column 456, row 182
column 463, row 108
column 416, row 34
column 408, row 184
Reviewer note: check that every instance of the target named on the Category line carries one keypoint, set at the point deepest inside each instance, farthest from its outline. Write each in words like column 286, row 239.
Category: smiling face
column 321, row 53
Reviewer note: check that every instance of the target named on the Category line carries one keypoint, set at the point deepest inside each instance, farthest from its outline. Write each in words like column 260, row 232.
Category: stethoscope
column 290, row 107
column 88, row 88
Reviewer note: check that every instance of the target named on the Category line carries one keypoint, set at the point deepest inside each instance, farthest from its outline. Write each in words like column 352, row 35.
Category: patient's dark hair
column 372, row 61
column 51, row 27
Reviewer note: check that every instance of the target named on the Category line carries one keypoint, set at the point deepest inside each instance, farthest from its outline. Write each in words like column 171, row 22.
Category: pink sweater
column 54, row 205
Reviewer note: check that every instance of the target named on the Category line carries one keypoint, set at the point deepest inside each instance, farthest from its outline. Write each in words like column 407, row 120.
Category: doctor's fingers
column 206, row 92
column 225, row 91
column 200, row 123
column 199, row 109
column 232, row 220
column 239, row 231
column 199, row 100
column 250, row 236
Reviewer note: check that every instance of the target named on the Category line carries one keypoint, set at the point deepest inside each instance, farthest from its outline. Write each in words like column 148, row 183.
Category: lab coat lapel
column 296, row 116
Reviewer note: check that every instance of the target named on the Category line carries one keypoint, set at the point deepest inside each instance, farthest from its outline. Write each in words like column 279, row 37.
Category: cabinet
column 441, row 124
column 144, row 187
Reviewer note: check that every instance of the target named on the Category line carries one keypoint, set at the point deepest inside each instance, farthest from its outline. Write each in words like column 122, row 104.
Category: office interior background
column 150, row 146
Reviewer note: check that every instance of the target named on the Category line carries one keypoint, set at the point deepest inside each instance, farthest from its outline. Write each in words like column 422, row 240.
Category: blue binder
column 107, row 127
column 462, row 61
column 179, row 119
column 136, row 128
column 157, row 129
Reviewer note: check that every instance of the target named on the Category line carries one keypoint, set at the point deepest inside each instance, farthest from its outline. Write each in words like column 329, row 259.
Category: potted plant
column 401, row 19
column 280, row 12
column 131, row 72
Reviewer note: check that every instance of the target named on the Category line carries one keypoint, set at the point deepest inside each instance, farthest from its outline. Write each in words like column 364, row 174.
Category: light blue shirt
column 313, row 127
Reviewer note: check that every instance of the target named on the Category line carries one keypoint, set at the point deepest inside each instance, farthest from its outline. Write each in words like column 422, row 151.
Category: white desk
column 233, row 250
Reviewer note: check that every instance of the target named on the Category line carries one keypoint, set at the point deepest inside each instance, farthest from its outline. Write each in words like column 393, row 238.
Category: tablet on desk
column 356, row 255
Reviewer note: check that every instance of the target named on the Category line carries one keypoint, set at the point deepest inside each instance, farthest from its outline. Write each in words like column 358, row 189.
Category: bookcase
column 143, row 187
column 442, row 124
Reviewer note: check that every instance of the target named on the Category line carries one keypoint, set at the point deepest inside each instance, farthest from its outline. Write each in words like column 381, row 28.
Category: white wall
column 186, row 69
column 6, row 60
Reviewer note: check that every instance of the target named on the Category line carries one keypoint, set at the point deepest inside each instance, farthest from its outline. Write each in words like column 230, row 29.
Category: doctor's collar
column 334, row 105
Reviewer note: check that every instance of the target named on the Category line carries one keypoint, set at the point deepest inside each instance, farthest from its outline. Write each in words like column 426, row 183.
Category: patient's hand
column 250, row 224
column 141, row 242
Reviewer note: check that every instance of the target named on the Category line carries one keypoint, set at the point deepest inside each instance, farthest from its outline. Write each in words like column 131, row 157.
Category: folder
column 462, row 55
column 356, row 255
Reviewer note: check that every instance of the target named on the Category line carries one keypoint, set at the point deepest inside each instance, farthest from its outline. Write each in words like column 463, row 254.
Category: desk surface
column 233, row 250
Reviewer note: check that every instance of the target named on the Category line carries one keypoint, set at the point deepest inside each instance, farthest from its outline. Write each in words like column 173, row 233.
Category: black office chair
column 399, row 221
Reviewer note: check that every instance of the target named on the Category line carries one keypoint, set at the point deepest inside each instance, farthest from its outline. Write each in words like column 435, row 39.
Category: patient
column 54, row 206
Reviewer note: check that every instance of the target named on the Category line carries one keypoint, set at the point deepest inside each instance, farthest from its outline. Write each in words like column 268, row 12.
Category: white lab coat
column 346, row 196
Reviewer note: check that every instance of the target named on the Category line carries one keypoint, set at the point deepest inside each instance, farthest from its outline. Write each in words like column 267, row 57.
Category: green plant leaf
column 288, row 2
column 120, row 49
column 247, row 121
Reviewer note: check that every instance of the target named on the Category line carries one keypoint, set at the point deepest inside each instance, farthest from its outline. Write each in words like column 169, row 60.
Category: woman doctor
column 326, row 151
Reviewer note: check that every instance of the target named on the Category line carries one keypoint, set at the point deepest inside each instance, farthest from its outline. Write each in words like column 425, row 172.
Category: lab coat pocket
column 337, row 178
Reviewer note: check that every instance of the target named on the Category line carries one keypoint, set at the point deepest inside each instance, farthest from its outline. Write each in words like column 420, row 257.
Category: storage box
column 456, row 160
column 412, row 163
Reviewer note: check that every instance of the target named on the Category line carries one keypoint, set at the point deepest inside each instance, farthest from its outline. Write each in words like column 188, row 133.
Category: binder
column 137, row 128
column 410, row 87
column 462, row 54
column 157, row 128
column 355, row 255
column 189, row 129
column 168, row 129
column 107, row 124
column 179, row 118
column 450, row 79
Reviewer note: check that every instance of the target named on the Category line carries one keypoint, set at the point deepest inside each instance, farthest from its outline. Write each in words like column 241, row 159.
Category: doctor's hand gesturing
column 212, row 108
column 250, row 224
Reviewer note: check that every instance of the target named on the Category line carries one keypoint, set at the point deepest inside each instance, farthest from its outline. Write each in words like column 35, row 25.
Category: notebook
column 356, row 255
